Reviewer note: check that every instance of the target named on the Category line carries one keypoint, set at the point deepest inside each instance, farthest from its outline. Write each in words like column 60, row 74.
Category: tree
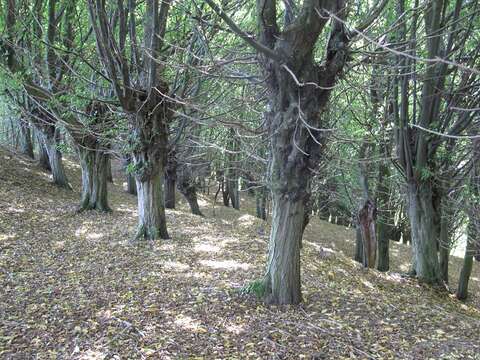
column 144, row 96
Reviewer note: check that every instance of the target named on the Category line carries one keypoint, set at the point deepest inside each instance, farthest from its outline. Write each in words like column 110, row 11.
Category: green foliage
column 256, row 287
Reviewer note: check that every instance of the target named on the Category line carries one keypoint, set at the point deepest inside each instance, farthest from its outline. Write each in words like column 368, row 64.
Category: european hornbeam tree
column 136, row 76
column 298, row 92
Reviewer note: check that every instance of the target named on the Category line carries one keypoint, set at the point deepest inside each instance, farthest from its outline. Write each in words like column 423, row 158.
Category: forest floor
column 72, row 287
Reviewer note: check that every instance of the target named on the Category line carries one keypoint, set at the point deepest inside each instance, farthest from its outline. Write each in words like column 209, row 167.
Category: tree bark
column 444, row 244
column 94, row 164
column 282, row 279
column 151, row 211
column 149, row 150
column 55, row 160
column 42, row 152
column 109, row 168
column 424, row 239
column 170, row 180
column 261, row 202
column 385, row 218
column 462, row 290
column 26, row 145
column 131, row 184
column 187, row 187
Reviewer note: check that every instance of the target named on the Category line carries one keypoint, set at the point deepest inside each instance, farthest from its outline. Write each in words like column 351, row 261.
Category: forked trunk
column 56, row 163
column 282, row 279
column 424, row 239
column 151, row 211
column 94, row 164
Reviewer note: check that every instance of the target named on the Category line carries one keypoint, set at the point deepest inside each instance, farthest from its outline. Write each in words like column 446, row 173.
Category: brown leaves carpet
column 71, row 287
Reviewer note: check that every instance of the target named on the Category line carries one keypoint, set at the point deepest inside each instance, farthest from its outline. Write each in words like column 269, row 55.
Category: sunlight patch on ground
column 93, row 355
column 225, row 264
column 6, row 236
column 15, row 209
column 235, row 329
column 188, row 323
column 175, row 265
column 206, row 248
column 94, row 236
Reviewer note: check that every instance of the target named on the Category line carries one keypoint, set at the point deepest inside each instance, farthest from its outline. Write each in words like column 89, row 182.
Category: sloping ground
column 72, row 287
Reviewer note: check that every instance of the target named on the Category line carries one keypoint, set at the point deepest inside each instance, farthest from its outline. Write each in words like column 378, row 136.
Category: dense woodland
column 363, row 114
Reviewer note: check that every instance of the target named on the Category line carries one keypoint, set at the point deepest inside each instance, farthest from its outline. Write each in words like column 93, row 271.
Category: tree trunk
column 385, row 219
column 109, row 169
column 42, row 152
column 170, row 180
column 359, row 252
column 190, row 193
column 225, row 194
column 366, row 220
column 149, row 150
column 55, row 161
column 131, row 184
column 151, row 211
column 462, row 291
column 94, row 164
column 424, row 239
column 26, row 145
column 444, row 244
column 261, row 202
column 187, row 187
column 282, row 279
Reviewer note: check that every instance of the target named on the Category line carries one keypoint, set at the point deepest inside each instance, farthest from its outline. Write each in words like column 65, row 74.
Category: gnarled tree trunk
column 94, row 164
column 149, row 145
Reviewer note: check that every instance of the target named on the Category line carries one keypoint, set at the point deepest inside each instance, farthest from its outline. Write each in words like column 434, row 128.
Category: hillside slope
column 71, row 286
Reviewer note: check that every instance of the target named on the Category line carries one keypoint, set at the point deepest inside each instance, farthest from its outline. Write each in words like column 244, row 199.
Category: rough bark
column 282, row 279
column 26, row 144
column 366, row 220
column 444, row 244
column 42, row 152
column 170, row 180
column 109, row 169
column 131, row 184
column 231, row 173
column 424, row 239
column 385, row 219
column 151, row 212
column 188, row 188
column 261, row 202
column 462, row 290
column 149, row 151
column 94, row 164
column 55, row 158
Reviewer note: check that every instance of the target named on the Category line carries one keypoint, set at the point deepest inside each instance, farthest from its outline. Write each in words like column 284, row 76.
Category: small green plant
column 256, row 287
